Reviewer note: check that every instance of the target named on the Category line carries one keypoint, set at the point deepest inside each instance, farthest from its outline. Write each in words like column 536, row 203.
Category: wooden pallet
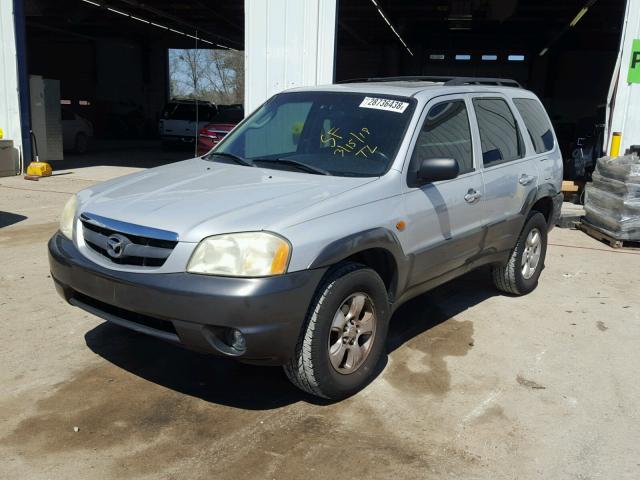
column 572, row 186
column 605, row 237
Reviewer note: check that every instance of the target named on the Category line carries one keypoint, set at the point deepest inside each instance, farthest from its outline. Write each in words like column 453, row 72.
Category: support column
column 288, row 43
column 623, row 109
column 9, row 88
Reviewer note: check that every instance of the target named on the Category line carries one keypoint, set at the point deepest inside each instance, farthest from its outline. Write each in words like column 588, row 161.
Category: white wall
column 624, row 98
column 9, row 101
column 288, row 43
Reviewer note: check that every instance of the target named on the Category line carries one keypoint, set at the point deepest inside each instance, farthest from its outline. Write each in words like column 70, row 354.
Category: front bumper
column 192, row 310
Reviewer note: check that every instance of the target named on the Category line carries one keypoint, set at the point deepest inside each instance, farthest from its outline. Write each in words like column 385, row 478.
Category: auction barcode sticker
column 384, row 104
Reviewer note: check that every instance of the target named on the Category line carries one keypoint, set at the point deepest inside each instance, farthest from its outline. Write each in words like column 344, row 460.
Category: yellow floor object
column 39, row 169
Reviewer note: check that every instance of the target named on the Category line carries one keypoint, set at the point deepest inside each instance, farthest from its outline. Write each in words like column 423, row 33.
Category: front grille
column 140, row 319
column 134, row 249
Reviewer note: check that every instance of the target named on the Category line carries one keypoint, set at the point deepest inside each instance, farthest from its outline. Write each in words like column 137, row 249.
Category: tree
column 207, row 74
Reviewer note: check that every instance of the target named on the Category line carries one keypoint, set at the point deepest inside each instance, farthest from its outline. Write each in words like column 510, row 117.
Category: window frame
column 546, row 116
column 526, row 149
column 432, row 102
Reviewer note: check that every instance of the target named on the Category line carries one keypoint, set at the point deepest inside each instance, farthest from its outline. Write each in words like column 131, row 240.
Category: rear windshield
column 229, row 114
column 345, row 134
column 187, row 111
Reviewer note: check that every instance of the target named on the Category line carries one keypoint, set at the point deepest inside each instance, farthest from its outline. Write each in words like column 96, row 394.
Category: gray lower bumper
column 193, row 310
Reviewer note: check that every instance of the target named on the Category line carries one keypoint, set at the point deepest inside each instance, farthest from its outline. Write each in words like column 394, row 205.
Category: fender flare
column 380, row 238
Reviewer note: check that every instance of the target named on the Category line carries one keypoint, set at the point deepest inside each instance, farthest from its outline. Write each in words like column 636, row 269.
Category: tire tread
column 299, row 369
column 505, row 275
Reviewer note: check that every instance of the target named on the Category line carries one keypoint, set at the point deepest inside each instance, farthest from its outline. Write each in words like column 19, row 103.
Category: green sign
column 634, row 66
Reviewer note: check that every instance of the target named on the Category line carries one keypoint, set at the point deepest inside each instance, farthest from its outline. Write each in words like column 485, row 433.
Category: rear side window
column 446, row 134
column 536, row 122
column 501, row 141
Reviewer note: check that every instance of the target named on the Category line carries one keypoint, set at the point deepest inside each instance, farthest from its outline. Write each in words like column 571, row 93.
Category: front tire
column 343, row 339
column 520, row 274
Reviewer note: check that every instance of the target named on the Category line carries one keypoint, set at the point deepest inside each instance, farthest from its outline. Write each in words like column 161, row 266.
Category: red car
column 210, row 135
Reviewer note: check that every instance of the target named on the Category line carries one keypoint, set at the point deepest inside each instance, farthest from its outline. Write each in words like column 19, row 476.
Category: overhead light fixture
column 460, row 22
column 571, row 24
column 158, row 25
column 577, row 18
column 384, row 17
column 118, row 12
column 139, row 19
column 164, row 27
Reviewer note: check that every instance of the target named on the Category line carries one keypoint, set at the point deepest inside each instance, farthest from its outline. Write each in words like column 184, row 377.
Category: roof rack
column 449, row 81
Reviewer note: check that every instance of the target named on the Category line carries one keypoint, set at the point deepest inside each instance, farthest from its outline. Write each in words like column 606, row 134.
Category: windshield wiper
column 300, row 165
column 235, row 158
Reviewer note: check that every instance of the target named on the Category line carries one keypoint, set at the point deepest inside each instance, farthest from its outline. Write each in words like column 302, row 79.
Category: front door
column 445, row 220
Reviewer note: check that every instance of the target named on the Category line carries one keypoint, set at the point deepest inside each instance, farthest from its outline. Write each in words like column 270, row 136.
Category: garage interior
column 531, row 41
column 112, row 62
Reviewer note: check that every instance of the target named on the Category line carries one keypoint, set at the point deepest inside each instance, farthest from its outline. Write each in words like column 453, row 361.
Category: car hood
column 197, row 198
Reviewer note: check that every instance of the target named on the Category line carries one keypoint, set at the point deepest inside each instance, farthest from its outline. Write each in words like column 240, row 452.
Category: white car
column 76, row 131
column 180, row 124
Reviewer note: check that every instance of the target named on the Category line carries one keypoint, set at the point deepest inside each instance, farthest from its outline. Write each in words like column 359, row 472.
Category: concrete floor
column 477, row 385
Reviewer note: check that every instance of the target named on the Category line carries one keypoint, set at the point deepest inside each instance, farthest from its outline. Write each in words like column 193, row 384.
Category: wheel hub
column 531, row 253
column 352, row 333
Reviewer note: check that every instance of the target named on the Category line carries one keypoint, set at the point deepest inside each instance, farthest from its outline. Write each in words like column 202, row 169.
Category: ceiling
column 218, row 22
column 518, row 25
column 526, row 26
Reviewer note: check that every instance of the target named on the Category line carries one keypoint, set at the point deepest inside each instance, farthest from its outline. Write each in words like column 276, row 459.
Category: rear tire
column 520, row 274
column 342, row 341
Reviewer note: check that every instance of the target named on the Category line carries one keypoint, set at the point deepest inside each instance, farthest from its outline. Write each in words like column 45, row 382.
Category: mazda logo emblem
column 116, row 245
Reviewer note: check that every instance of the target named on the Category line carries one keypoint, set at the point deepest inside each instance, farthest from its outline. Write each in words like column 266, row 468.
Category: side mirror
column 434, row 169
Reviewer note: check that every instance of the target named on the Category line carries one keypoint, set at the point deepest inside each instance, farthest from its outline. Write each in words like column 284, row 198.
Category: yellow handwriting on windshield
column 354, row 142
column 330, row 138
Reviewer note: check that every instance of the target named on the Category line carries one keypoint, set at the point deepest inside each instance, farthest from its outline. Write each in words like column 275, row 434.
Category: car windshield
column 335, row 133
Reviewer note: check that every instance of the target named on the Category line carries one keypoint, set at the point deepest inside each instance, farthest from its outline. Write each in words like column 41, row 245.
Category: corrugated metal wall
column 288, row 43
column 9, row 100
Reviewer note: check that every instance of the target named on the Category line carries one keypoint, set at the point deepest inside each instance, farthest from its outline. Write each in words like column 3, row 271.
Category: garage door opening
column 105, row 75
column 563, row 51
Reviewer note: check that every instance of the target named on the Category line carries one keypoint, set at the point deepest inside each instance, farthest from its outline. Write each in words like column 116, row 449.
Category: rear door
column 510, row 176
column 445, row 220
column 545, row 147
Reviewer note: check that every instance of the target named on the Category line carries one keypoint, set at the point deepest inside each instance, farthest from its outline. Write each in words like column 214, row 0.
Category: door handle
column 526, row 179
column 472, row 196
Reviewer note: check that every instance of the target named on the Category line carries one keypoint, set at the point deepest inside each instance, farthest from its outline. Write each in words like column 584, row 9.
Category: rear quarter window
column 537, row 123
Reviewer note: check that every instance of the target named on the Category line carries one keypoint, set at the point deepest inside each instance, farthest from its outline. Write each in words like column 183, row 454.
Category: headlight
column 68, row 216
column 250, row 254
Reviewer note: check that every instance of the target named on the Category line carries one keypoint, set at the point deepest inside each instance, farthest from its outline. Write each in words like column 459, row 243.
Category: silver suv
column 295, row 239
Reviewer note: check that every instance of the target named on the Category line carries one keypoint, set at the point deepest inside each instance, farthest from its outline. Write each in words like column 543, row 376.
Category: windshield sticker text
column 384, row 104
column 354, row 142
